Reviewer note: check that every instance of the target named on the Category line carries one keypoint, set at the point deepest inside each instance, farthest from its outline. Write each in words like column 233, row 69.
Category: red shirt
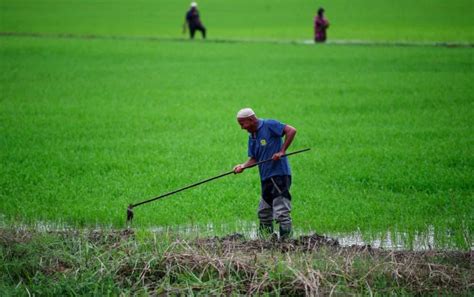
column 320, row 26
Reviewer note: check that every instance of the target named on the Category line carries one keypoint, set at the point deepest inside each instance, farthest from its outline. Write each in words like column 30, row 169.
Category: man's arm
column 290, row 133
column 239, row 168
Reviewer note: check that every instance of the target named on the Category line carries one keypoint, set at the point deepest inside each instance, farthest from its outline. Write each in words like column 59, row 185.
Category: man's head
column 247, row 120
column 194, row 4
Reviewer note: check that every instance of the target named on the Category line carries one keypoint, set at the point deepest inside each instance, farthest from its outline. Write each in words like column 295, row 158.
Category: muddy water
column 390, row 240
column 423, row 240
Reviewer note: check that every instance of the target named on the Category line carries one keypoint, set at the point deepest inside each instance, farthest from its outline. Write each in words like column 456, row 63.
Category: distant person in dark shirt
column 320, row 26
column 193, row 22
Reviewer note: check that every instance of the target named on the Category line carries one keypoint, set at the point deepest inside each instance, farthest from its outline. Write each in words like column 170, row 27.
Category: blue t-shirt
column 266, row 142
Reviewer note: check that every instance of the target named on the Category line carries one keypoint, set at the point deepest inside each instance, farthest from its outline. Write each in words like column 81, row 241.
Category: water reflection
column 390, row 240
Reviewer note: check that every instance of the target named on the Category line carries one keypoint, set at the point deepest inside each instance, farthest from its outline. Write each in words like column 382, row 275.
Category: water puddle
column 390, row 240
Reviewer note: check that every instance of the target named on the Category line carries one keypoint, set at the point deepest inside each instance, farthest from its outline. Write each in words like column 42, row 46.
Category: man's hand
column 278, row 155
column 239, row 168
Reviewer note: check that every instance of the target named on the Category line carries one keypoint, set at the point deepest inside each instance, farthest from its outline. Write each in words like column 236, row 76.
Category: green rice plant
column 90, row 126
column 371, row 20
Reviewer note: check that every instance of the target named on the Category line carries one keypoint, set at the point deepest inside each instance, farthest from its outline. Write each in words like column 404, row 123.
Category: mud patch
column 238, row 242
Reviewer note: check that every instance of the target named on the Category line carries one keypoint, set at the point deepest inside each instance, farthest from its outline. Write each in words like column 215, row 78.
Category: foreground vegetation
column 109, row 262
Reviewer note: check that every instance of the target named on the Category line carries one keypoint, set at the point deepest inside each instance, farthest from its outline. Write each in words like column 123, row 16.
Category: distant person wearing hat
column 193, row 22
column 265, row 142
column 321, row 24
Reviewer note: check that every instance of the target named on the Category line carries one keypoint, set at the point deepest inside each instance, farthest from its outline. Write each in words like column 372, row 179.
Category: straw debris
column 118, row 261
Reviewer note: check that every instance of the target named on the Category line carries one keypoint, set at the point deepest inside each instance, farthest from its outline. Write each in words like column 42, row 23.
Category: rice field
column 373, row 20
column 97, row 113
column 89, row 127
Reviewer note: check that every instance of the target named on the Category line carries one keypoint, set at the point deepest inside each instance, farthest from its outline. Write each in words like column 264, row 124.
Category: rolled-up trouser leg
column 265, row 215
column 276, row 198
column 281, row 213
column 282, row 204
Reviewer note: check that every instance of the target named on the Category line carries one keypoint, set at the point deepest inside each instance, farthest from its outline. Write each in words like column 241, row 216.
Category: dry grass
column 143, row 263
column 355, row 268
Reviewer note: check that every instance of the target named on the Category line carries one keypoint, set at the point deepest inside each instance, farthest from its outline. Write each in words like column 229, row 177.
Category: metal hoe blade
column 130, row 213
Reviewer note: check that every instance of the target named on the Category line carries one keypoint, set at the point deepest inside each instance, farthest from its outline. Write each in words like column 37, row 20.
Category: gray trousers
column 275, row 203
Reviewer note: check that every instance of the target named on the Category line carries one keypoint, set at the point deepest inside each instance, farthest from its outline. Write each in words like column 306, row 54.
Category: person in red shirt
column 320, row 26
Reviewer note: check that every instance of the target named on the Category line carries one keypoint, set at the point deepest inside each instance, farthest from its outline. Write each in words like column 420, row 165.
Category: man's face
column 249, row 124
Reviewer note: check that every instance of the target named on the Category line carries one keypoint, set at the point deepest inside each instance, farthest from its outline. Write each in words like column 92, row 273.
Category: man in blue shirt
column 265, row 142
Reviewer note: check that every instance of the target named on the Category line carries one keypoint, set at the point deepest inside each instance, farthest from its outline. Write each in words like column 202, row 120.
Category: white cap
column 245, row 113
column 194, row 4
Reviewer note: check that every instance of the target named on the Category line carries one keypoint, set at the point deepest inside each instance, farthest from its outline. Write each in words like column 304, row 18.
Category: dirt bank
column 139, row 262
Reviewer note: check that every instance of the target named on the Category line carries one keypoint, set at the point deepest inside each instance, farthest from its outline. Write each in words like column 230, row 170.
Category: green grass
column 89, row 126
column 403, row 20
column 120, row 263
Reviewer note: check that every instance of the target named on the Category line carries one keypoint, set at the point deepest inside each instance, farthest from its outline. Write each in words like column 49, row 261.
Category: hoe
column 132, row 206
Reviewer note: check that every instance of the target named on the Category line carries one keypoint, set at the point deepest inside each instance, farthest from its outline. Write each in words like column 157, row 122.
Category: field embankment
column 128, row 262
